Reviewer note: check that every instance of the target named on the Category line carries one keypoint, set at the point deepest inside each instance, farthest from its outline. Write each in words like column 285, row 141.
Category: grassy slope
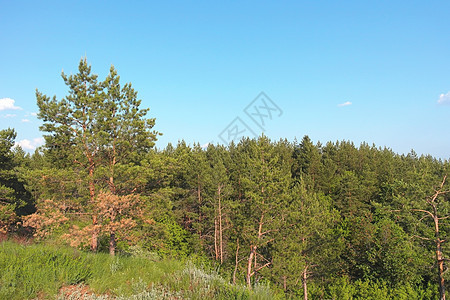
column 48, row 272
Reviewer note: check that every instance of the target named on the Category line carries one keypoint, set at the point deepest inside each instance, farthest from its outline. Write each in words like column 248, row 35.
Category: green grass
column 40, row 271
column 29, row 271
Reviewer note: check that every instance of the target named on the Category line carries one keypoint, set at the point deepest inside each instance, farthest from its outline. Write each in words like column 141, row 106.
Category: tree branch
column 421, row 237
column 424, row 211
column 258, row 269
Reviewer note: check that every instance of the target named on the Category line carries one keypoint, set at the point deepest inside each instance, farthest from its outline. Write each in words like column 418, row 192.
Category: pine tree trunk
column 220, row 228
column 94, row 238
column 112, row 243
column 199, row 199
column 112, row 187
column 111, row 167
column 440, row 271
column 112, row 236
column 216, row 247
column 236, row 262
column 91, row 185
column 252, row 259
column 249, row 266
column 304, row 279
column 439, row 256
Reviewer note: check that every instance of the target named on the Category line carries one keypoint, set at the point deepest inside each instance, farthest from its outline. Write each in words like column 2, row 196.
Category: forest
column 307, row 220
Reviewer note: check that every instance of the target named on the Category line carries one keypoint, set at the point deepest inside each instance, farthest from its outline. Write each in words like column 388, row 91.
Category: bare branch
column 262, row 257
column 266, row 242
column 425, row 216
column 258, row 269
column 421, row 237
column 268, row 231
column 439, row 191
column 424, row 211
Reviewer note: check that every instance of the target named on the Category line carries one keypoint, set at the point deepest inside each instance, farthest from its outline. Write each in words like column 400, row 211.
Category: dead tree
column 433, row 214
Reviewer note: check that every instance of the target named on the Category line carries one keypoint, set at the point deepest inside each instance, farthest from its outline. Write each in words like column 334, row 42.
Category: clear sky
column 376, row 72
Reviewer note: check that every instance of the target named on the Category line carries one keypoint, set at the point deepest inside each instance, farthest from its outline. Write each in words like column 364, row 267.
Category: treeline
column 332, row 220
column 288, row 213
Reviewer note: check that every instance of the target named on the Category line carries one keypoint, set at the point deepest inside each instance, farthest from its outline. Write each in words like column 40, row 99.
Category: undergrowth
column 48, row 272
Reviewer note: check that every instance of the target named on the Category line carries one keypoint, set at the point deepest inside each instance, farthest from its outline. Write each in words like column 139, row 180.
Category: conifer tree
column 13, row 196
column 96, row 128
column 265, row 179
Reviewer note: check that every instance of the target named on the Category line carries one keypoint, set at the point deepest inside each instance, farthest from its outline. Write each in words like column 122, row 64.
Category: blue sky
column 375, row 72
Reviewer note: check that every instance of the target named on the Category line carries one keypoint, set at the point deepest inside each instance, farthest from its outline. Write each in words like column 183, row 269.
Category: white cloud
column 8, row 103
column 345, row 104
column 25, row 120
column 10, row 115
column 31, row 114
column 205, row 146
column 30, row 144
column 444, row 99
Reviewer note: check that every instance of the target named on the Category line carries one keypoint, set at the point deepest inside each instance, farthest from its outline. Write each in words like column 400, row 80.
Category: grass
column 29, row 271
column 50, row 272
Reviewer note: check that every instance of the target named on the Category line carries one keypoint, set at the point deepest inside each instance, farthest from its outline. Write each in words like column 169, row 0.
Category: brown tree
column 116, row 215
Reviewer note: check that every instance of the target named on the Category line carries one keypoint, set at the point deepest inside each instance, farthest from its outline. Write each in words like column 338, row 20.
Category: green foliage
column 382, row 250
column 97, row 125
column 28, row 272
column 176, row 239
column 14, row 198
column 308, row 242
column 343, row 288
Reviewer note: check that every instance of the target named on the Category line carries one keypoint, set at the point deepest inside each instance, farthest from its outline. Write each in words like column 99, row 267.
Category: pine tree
column 98, row 127
column 265, row 180
column 307, row 243
column 14, row 199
